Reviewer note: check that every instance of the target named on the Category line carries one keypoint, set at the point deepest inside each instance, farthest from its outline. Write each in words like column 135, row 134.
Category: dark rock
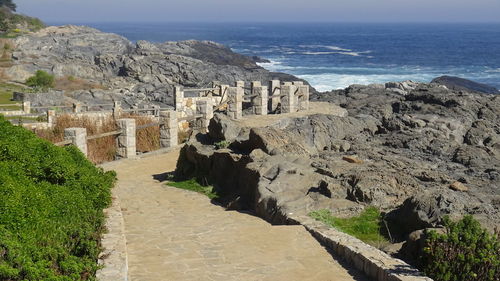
column 460, row 84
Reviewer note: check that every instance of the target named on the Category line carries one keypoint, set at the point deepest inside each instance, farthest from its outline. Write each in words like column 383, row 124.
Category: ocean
column 335, row 55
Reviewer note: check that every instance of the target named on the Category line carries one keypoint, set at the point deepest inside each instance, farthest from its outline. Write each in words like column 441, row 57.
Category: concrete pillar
column 126, row 141
column 179, row 98
column 260, row 101
column 27, row 107
column 303, row 95
column 274, row 92
column 78, row 137
column 204, row 108
column 51, row 117
column 77, row 107
column 168, row 129
column 288, row 99
column 235, row 102
column 117, row 110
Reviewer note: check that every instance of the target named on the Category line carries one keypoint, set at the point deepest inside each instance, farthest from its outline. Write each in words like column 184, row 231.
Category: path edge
column 374, row 263
column 114, row 258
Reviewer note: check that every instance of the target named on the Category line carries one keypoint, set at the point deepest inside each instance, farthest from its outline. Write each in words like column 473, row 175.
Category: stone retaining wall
column 370, row 260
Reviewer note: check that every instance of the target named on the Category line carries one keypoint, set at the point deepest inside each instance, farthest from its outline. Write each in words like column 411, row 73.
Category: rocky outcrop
column 460, row 84
column 417, row 153
column 135, row 74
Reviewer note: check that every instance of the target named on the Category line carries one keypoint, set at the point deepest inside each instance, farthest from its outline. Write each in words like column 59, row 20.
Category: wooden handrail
column 113, row 133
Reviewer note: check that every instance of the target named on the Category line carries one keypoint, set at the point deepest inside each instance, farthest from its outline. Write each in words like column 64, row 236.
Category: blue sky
column 262, row 10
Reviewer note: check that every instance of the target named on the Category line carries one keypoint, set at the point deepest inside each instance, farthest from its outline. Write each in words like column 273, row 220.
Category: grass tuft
column 193, row 185
column 366, row 226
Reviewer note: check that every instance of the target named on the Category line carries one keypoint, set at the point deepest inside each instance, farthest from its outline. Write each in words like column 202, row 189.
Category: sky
column 81, row 11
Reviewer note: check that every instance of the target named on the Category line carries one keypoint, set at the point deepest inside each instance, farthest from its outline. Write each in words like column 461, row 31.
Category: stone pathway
column 174, row 234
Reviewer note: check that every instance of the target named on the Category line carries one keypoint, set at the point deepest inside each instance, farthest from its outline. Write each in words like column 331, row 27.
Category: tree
column 9, row 4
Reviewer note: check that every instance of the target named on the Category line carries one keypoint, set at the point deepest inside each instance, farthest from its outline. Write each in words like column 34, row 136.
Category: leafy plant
column 222, row 144
column 365, row 227
column 51, row 209
column 41, row 80
column 466, row 252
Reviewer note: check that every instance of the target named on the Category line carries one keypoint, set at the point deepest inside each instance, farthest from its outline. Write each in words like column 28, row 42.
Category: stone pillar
column 126, row 141
column 179, row 98
column 235, row 102
column 117, row 110
column 77, row 107
column 168, row 129
column 240, row 84
column 78, row 137
column 51, row 117
column 288, row 98
column 204, row 108
column 260, row 101
column 274, row 92
column 27, row 107
column 303, row 95
column 156, row 112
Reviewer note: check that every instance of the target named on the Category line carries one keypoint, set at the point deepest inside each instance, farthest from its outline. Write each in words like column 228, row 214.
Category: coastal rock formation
column 417, row 153
column 460, row 84
column 138, row 73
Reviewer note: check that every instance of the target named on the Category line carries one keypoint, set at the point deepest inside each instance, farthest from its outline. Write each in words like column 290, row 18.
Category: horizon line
column 268, row 22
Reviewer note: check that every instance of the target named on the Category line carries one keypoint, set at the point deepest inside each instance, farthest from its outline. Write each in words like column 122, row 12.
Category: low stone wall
column 370, row 260
column 54, row 98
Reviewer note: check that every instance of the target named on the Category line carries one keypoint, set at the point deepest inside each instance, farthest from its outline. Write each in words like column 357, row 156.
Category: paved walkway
column 179, row 235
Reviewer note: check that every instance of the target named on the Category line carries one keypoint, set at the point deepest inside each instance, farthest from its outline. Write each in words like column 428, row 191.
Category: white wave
column 333, row 48
column 271, row 66
column 319, row 53
column 351, row 53
column 328, row 82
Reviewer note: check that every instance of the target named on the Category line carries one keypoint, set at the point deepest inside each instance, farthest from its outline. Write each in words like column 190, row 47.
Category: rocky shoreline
column 135, row 74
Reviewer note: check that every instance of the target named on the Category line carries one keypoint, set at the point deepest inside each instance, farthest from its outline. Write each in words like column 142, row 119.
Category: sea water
column 335, row 55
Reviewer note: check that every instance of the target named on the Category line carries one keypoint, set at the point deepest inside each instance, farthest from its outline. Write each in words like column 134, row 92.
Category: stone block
column 78, row 137
column 126, row 141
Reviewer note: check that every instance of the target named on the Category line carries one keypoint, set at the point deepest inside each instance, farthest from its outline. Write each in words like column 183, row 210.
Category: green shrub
column 41, row 80
column 51, row 209
column 365, row 227
column 222, row 144
column 465, row 253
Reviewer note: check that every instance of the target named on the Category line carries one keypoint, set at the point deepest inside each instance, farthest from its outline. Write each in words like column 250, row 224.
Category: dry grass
column 99, row 150
column 103, row 149
column 148, row 139
column 6, row 48
column 71, row 83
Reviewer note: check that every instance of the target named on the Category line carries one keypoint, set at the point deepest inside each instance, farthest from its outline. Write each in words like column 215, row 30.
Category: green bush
column 41, row 80
column 465, row 253
column 51, row 209
column 222, row 144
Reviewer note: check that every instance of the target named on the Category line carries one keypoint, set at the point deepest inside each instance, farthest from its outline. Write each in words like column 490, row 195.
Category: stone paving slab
column 174, row 234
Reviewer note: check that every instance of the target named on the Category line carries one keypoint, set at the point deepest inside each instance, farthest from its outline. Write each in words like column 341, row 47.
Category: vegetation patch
column 12, row 24
column 41, row 81
column 366, row 226
column 466, row 252
column 193, row 185
column 51, row 209
column 72, row 83
column 6, row 92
